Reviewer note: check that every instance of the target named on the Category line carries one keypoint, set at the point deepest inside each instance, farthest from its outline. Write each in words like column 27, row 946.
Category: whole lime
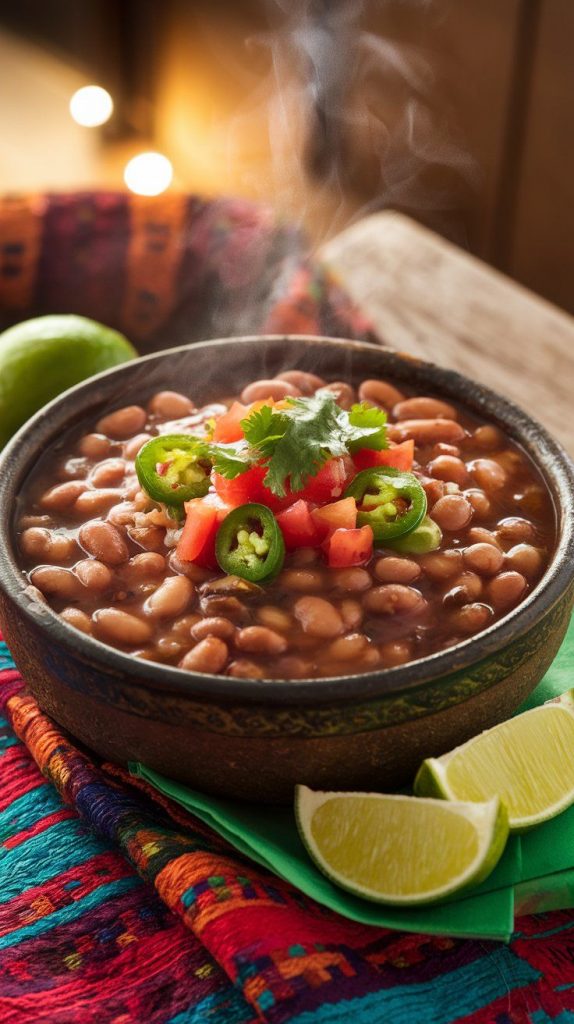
column 42, row 357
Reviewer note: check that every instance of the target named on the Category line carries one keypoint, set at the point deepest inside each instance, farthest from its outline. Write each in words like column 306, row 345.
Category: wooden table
column 426, row 297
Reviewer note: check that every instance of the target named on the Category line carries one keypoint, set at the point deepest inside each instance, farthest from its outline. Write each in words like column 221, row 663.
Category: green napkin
column 538, row 866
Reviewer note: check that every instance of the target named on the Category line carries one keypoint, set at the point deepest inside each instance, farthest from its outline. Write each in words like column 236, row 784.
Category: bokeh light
column 148, row 174
column 91, row 106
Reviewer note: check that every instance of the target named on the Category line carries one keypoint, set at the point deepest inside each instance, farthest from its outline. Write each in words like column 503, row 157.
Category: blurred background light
column 91, row 106
column 148, row 174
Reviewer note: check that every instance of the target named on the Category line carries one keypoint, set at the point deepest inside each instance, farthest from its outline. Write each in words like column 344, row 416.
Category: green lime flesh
column 42, row 357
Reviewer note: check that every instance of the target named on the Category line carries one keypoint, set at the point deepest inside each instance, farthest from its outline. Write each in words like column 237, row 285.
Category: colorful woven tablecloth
column 117, row 907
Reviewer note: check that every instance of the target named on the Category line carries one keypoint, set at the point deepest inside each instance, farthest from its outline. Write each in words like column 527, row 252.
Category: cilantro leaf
column 367, row 427
column 294, row 441
column 230, row 460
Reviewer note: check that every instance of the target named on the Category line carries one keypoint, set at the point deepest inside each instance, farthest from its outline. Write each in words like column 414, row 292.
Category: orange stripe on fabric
column 20, row 240
column 153, row 259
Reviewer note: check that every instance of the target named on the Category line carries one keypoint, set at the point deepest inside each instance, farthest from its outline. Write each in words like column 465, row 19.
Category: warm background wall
column 459, row 111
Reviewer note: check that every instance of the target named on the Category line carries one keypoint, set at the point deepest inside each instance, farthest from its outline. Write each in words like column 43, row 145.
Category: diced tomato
column 401, row 456
column 228, row 427
column 203, row 519
column 330, row 482
column 297, row 526
column 338, row 515
column 248, row 487
column 350, row 547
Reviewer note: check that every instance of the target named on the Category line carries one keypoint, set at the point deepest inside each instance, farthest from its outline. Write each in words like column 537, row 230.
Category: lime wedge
column 40, row 358
column 528, row 762
column 400, row 849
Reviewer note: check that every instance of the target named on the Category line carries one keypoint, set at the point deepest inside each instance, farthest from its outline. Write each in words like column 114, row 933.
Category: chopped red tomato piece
column 335, row 516
column 349, row 547
column 203, row 518
column 297, row 526
column 248, row 487
column 400, row 456
column 228, row 427
column 330, row 482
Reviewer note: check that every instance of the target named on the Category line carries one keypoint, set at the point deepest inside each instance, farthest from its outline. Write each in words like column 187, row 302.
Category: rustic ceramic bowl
column 256, row 739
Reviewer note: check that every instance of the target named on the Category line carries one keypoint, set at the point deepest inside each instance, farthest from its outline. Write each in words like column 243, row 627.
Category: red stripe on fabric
column 20, row 775
column 39, row 826
column 49, row 896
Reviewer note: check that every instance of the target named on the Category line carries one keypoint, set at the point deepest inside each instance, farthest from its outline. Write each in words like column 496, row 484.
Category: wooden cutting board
column 429, row 298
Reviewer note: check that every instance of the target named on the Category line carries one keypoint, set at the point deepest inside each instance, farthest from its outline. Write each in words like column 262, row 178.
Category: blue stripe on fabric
column 7, row 737
column 72, row 912
column 229, row 1004
column 439, row 1001
column 540, row 1017
column 64, row 845
column 29, row 808
column 6, row 661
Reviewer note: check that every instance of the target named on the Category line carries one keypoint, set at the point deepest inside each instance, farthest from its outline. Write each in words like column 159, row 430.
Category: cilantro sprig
column 295, row 441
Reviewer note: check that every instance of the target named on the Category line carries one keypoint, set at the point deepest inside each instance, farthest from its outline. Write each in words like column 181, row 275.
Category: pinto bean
column 304, row 556
column 244, row 669
column 170, row 405
column 134, row 445
column 182, row 627
column 104, row 542
column 505, row 590
column 151, row 538
column 274, row 618
column 448, row 468
column 170, row 599
column 444, row 449
column 426, row 431
column 453, row 512
column 524, row 558
column 381, row 393
column 122, row 423
column 215, row 626
column 122, row 514
column 487, row 474
column 56, row 582
column 344, row 394
column 108, row 473
column 353, row 580
column 471, row 618
column 351, row 612
column 62, row 496
column 485, row 559
column 393, row 569
column 260, row 640
column 78, row 619
column 478, row 535
column 533, row 500
column 306, row 383
column 144, row 566
column 514, row 530
column 347, row 648
column 395, row 653
column 291, row 667
column 260, row 390
column 93, row 574
column 46, row 546
column 442, row 565
column 467, row 587
column 479, row 502
column 210, row 655
column 424, row 409
column 302, row 579
column 434, row 490
column 488, row 437
column 318, row 617
column 94, row 446
column 393, row 599
column 93, row 503
column 120, row 627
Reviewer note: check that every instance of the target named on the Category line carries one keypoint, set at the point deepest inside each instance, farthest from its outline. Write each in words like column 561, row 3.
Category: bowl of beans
column 257, row 562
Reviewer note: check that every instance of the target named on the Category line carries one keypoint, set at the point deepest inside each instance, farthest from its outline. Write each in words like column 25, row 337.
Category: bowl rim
column 554, row 465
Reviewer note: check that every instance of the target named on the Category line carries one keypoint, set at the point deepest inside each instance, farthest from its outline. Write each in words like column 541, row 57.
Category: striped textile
column 116, row 906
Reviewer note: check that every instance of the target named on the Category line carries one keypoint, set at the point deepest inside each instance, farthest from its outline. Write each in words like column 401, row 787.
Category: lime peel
column 528, row 761
column 400, row 850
